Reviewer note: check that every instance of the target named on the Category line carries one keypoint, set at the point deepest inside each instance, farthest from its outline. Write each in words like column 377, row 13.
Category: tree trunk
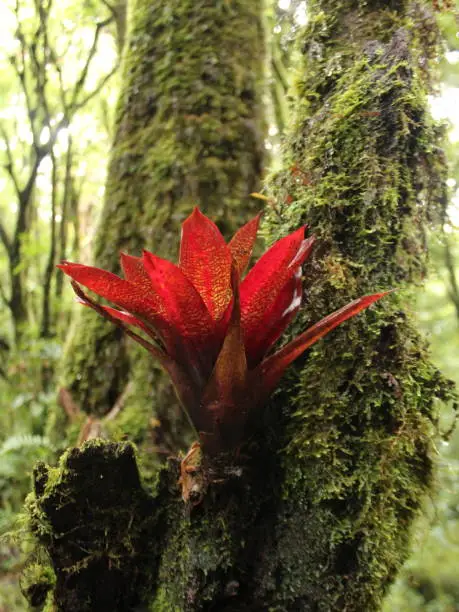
column 47, row 315
column 189, row 131
column 315, row 512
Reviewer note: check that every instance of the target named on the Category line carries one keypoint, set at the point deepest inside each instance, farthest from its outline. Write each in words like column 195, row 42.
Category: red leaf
column 266, row 293
column 128, row 318
column 187, row 391
column 123, row 293
column 196, row 343
column 183, row 303
column 271, row 370
column 109, row 314
column 206, row 261
column 263, row 274
column 134, row 271
column 226, row 393
column 241, row 245
column 278, row 317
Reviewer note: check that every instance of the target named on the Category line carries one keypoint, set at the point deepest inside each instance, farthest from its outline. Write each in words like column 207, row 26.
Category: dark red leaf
column 241, row 245
column 266, row 293
column 271, row 370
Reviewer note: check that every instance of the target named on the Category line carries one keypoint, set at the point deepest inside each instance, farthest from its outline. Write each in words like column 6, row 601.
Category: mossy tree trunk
column 189, row 131
column 315, row 512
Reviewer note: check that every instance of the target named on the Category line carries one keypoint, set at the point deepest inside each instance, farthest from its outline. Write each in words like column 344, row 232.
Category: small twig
column 21, row 74
column 71, row 408
column 119, row 404
column 96, row 90
column 110, row 7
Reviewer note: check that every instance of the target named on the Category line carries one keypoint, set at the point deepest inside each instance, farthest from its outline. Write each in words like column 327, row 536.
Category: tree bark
column 46, row 330
column 189, row 131
column 315, row 512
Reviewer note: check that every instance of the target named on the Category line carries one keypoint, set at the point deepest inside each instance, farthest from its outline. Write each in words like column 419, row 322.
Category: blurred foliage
column 57, row 60
column 26, row 398
column 430, row 580
column 56, row 64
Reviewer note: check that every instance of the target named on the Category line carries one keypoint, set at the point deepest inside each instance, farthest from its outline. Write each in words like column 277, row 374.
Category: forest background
column 59, row 82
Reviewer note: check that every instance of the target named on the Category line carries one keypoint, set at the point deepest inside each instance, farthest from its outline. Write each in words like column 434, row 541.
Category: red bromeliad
column 209, row 330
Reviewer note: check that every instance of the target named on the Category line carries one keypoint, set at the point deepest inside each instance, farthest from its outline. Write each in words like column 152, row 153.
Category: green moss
column 319, row 515
column 96, row 523
column 212, row 552
column 37, row 581
column 359, row 442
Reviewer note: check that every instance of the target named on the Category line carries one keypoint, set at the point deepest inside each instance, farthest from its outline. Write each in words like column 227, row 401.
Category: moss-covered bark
column 363, row 167
column 315, row 512
column 105, row 566
column 189, row 131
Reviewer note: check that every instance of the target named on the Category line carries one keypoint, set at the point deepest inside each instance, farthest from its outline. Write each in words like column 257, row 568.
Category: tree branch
column 5, row 238
column 453, row 290
column 110, row 7
column 4, row 298
column 10, row 165
column 21, row 74
column 84, row 73
column 95, row 91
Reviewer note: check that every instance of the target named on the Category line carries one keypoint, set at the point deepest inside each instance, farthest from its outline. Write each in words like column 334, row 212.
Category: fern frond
column 20, row 442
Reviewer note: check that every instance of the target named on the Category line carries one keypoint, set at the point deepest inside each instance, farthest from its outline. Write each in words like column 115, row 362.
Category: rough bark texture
column 189, row 131
column 317, row 516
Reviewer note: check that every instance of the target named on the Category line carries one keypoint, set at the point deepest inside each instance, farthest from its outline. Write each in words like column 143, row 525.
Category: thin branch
column 453, row 290
column 71, row 408
column 25, row 194
column 4, row 298
column 84, row 73
column 119, row 404
column 41, row 74
column 95, row 91
column 118, row 11
column 110, row 7
column 50, row 266
column 65, row 206
column 40, row 153
column 10, row 165
column 21, row 74
column 60, row 77
column 5, row 238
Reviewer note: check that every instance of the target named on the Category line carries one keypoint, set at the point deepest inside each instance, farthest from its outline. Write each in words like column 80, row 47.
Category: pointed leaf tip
column 205, row 260
column 129, row 296
column 267, row 293
column 272, row 368
column 241, row 245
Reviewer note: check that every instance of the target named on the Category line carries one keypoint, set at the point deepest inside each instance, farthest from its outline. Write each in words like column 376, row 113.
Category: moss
column 359, row 441
column 318, row 515
column 189, row 131
column 212, row 553
column 37, row 581
column 96, row 523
